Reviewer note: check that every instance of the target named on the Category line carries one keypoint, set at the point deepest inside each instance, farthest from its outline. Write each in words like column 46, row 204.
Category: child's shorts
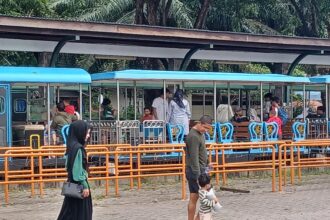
column 205, row 216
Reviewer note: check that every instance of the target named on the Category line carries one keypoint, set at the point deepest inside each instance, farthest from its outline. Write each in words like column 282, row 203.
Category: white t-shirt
column 159, row 104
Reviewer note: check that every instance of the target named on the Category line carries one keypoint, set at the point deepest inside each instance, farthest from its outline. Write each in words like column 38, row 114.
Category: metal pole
column 304, row 103
column 203, row 101
column 261, row 103
column 58, row 94
column 126, row 108
column 215, row 100
column 327, row 107
column 135, row 107
column 48, row 112
column 80, row 101
column 228, row 94
column 291, row 100
column 100, row 103
column 90, row 102
column 164, row 101
column 118, row 97
column 28, row 105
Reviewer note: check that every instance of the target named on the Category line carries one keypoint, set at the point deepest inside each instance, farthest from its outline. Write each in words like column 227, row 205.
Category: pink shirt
column 278, row 121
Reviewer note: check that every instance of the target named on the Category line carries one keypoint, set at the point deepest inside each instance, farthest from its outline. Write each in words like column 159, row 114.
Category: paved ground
column 308, row 200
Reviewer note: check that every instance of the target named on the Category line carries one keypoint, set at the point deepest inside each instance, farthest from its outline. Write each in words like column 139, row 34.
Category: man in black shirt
column 196, row 160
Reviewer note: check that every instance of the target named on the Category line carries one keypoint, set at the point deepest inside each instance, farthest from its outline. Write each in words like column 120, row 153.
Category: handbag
column 72, row 190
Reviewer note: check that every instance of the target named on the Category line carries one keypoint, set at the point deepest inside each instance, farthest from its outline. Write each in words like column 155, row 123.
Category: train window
column 20, row 106
column 2, row 105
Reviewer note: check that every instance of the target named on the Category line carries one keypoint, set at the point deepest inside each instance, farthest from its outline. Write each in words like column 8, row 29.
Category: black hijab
column 76, row 141
column 178, row 98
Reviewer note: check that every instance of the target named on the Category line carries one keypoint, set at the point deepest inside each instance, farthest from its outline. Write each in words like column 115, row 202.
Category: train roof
column 196, row 76
column 320, row 79
column 43, row 75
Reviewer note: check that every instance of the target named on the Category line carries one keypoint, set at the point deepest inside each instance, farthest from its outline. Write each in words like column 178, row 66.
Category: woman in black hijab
column 179, row 111
column 76, row 166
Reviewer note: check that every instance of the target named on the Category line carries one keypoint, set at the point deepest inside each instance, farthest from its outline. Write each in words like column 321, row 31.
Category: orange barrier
column 298, row 162
column 224, row 167
column 135, row 167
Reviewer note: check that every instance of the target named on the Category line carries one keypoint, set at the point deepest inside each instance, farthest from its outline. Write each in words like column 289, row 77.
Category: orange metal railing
column 300, row 162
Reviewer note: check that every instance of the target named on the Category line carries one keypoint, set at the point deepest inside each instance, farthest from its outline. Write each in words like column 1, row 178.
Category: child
column 68, row 107
column 274, row 118
column 206, row 203
column 147, row 115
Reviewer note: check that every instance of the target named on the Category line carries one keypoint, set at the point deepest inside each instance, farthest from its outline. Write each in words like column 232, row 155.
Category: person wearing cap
column 238, row 116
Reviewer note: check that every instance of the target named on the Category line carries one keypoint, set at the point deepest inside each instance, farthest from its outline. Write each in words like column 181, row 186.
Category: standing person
column 280, row 112
column 196, row 160
column 160, row 104
column 206, row 204
column 76, row 166
column 179, row 111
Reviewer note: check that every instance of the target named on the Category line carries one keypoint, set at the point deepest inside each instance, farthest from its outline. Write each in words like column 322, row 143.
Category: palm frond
column 128, row 18
column 256, row 27
column 181, row 14
column 111, row 11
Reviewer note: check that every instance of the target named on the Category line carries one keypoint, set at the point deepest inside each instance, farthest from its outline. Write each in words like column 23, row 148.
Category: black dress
column 72, row 208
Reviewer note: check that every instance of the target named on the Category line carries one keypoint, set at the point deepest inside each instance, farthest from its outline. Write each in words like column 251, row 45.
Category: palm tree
column 123, row 11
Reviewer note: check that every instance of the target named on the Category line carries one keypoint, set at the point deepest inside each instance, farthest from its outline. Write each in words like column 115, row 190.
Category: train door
column 5, row 120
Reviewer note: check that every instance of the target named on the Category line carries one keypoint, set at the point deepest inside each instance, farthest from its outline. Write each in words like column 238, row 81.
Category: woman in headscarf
column 76, row 166
column 179, row 111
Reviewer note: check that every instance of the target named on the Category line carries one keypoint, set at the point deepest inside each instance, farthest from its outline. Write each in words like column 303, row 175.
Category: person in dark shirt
column 238, row 116
column 196, row 160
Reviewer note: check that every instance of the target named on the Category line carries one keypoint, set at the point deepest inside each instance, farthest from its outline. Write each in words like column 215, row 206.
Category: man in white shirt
column 160, row 104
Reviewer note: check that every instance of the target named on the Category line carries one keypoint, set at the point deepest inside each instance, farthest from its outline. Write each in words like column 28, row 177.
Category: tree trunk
column 166, row 5
column 202, row 14
column 139, row 11
column 275, row 67
column 44, row 59
column 152, row 8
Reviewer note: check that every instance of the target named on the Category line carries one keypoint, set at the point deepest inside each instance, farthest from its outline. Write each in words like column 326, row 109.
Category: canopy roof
column 186, row 76
column 320, row 79
column 43, row 75
column 110, row 39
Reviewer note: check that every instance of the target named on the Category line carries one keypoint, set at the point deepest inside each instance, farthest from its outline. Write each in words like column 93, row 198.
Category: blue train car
column 28, row 93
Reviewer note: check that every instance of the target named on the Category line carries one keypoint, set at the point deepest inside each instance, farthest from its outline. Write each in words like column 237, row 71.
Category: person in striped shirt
column 206, row 203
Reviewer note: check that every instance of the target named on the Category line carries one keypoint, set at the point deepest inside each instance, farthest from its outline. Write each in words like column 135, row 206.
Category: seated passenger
column 274, row 118
column 108, row 113
column 147, row 115
column 253, row 115
column 68, row 107
column 238, row 116
column 224, row 111
column 319, row 113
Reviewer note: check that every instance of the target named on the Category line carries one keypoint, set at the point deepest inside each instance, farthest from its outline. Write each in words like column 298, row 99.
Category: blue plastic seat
column 211, row 136
column 175, row 133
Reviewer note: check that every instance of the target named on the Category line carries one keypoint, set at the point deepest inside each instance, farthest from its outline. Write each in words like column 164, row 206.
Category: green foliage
column 255, row 68
column 36, row 8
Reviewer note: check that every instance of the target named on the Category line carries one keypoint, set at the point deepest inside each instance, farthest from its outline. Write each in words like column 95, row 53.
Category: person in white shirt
column 159, row 105
column 224, row 111
column 179, row 111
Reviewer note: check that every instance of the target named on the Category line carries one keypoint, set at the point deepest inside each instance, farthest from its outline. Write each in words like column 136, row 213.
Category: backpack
column 283, row 115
